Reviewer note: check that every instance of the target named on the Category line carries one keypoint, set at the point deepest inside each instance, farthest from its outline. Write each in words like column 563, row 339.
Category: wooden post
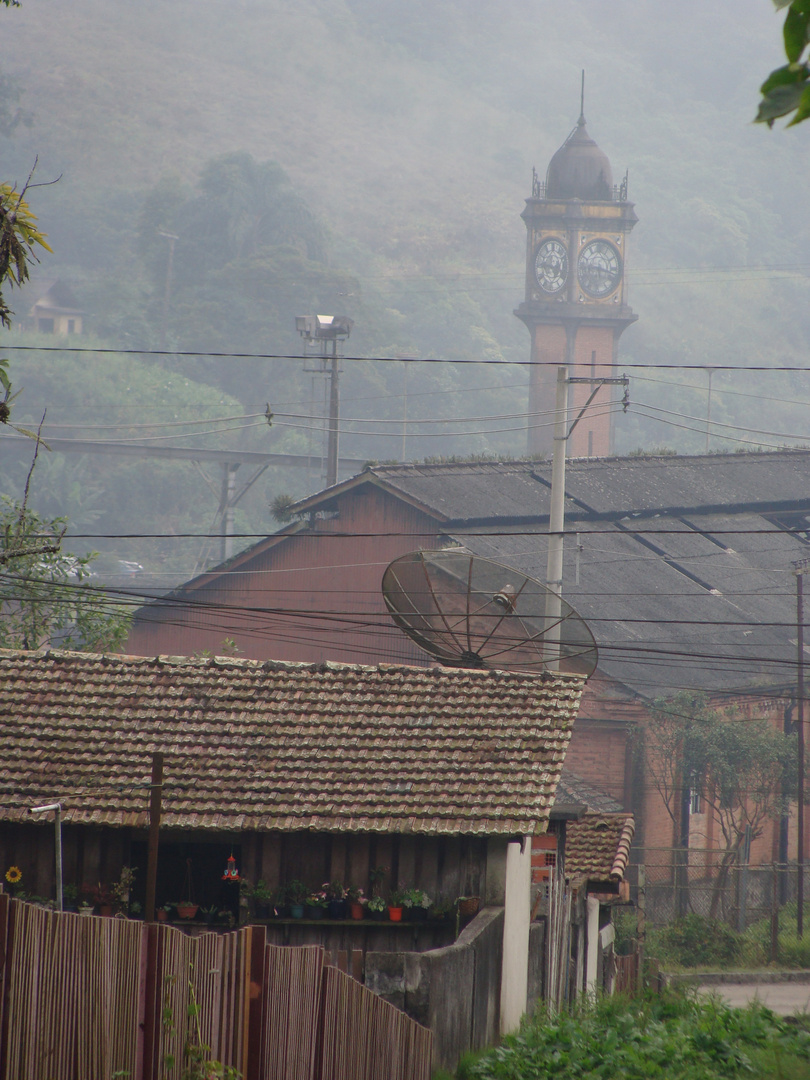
column 155, row 802
column 641, row 928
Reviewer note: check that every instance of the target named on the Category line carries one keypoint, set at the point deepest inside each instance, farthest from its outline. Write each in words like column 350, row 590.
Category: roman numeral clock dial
column 599, row 269
column 551, row 266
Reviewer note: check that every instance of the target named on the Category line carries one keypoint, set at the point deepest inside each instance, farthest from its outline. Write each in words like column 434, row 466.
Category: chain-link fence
column 700, row 907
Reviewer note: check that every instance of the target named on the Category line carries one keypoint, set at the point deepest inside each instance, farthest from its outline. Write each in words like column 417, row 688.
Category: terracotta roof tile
column 272, row 745
column 597, row 847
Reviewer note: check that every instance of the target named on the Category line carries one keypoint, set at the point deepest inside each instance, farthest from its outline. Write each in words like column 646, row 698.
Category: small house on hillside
column 436, row 779
column 49, row 307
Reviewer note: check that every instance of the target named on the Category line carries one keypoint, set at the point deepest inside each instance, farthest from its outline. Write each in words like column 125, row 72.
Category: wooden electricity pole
column 155, row 802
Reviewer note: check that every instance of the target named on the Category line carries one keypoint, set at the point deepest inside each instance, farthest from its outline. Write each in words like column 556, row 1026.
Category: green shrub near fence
column 673, row 1035
column 695, row 941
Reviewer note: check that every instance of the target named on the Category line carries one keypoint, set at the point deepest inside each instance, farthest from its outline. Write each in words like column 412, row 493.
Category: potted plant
column 377, row 908
column 262, row 899
column 164, row 912
column 417, row 903
column 86, row 908
column 357, row 902
column 396, row 903
column 70, row 897
column 316, row 905
column 468, row 905
column 336, row 899
column 101, row 897
column 121, row 889
column 281, row 903
column 297, row 892
column 210, row 914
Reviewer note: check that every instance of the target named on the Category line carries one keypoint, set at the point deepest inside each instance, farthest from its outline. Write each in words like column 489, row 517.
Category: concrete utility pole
column 556, row 521
column 323, row 331
column 799, row 569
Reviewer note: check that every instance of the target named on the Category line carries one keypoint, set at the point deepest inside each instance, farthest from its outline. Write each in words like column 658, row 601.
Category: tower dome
column 579, row 169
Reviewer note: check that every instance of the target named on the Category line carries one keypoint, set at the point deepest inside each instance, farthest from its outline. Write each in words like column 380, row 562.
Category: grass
column 674, row 1035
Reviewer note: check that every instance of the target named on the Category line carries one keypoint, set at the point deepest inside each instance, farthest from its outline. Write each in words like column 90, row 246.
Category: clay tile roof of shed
column 597, row 848
column 253, row 745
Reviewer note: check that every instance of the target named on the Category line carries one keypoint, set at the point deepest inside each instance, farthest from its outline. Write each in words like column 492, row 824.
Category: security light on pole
column 58, row 844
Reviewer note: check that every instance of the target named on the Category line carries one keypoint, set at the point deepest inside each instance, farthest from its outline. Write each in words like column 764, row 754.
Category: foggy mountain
column 400, row 141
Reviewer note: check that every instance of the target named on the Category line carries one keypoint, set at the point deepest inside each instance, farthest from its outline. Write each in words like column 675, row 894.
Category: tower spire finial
column 582, row 100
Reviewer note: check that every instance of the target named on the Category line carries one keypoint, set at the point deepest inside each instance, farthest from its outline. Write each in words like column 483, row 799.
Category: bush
column 695, row 941
column 673, row 1035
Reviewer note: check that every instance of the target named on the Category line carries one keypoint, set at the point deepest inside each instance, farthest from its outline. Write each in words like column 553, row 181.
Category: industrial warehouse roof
column 253, row 745
column 681, row 566
column 597, row 848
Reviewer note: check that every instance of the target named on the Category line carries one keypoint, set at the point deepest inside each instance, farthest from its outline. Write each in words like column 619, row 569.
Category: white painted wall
column 516, row 919
column 592, row 935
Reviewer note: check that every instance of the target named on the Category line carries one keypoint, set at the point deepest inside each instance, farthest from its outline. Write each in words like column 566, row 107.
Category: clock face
column 551, row 266
column 599, row 268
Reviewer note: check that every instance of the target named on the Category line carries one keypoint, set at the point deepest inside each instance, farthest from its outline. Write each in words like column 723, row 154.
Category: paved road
column 784, row 998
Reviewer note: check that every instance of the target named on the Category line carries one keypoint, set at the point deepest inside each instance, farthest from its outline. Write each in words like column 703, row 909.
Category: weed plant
column 673, row 1035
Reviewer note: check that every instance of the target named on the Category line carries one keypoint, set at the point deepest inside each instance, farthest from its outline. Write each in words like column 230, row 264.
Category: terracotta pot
column 395, row 914
column 106, row 910
column 187, row 911
column 469, row 905
column 357, row 911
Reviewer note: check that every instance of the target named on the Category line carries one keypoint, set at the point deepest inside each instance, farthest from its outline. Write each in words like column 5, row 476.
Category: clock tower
column 575, row 305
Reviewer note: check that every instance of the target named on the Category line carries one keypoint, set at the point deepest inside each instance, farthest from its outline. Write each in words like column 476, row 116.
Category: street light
column 58, row 823
column 321, row 330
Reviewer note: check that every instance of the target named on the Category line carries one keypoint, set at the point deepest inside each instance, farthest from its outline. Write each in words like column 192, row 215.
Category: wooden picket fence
column 91, row 999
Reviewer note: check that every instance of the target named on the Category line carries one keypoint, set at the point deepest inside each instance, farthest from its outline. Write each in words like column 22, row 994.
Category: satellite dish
column 474, row 613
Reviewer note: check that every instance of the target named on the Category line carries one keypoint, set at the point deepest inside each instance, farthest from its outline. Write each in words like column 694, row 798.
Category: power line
column 196, row 353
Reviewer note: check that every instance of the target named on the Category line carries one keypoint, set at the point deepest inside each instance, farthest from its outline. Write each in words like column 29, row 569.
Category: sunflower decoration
column 14, row 875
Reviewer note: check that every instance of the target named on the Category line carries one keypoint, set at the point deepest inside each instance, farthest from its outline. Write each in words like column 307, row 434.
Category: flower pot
column 106, row 910
column 162, row 915
column 357, row 911
column 337, row 909
column 85, row 909
column 380, row 916
column 468, row 905
column 187, row 911
column 314, row 911
column 262, row 910
column 296, row 911
column 395, row 914
column 418, row 914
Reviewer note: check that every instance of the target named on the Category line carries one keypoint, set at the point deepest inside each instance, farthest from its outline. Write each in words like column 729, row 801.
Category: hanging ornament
column 231, row 872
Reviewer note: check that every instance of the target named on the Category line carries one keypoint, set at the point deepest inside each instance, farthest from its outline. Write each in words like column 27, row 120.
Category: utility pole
column 155, row 804
column 799, row 568
column 323, row 330
column 167, row 295
column 556, row 521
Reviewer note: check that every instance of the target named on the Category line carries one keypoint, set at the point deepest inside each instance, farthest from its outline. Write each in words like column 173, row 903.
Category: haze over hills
column 408, row 133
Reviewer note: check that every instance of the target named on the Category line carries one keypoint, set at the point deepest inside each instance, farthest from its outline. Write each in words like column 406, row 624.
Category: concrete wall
column 517, row 918
column 455, row 991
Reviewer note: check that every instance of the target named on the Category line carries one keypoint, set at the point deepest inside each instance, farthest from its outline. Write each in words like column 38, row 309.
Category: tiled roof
column 253, row 745
column 573, row 790
column 597, row 848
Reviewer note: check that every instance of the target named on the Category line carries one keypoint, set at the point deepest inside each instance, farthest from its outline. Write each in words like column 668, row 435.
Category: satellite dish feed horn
column 474, row 613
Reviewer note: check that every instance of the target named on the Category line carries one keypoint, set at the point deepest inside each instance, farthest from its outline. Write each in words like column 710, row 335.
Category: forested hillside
column 387, row 150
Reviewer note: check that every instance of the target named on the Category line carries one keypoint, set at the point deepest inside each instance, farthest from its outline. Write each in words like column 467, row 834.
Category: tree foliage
column 741, row 767
column 786, row 91
column 46, row 598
